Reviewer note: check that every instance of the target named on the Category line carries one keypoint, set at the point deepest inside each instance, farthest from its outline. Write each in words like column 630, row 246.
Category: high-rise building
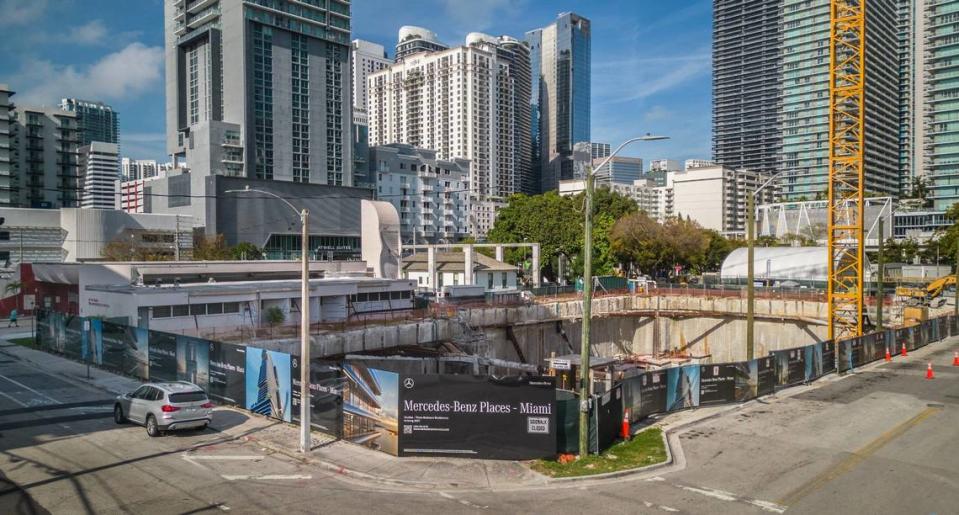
column 416, row 40
column 912, row 77
column 101, row 185
column 366, row 58
column 771, row 93
column 459, row 102
column 260, row 89
column 96, row 121
column 747, row 90
column 619, row 169
column 430, row 194
column 935, row 47
column 47, row 154
column 664, row 165
column 8, row 145
column 599, row 150
column 136, row 169
column 560, row 55
column 715, row 197
column 805, row 99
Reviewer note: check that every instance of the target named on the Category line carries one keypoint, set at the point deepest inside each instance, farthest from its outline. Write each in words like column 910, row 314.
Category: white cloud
column 480, row 14
column 20, row 12
column 89, row 34
column 120, row 75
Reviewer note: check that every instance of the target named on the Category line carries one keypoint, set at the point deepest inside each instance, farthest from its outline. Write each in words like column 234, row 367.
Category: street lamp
column 750, row 265
column 584, row 388
column 305, row 440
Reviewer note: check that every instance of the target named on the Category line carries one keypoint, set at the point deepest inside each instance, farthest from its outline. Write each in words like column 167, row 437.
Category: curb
column 665, row 435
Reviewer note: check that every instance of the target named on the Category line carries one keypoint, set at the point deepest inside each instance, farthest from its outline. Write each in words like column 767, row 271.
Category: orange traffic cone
column 955, row 359
column 888, row 355
column 903, row 353
column 626, row 432
column 929, row 373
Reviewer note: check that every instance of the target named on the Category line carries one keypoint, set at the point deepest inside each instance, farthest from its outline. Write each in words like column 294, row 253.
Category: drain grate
column 935, row 405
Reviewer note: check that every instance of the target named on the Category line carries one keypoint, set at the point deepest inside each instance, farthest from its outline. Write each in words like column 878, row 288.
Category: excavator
column 930, row 295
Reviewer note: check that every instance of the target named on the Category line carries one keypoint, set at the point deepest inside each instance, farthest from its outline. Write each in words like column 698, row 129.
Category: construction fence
column 442, row 407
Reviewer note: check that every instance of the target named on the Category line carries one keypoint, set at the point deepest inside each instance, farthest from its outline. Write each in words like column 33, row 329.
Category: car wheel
column 152, row 428
column 118, row 415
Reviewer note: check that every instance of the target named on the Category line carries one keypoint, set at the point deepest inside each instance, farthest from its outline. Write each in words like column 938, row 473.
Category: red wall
column 59, row 295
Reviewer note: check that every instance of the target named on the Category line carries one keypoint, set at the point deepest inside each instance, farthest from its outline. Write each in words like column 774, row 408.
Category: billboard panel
column 162, row 349
column 682, row 387
column 227, row 374
column 370, row 406
column 268, row 383
column 326, row 395
column 479, row 417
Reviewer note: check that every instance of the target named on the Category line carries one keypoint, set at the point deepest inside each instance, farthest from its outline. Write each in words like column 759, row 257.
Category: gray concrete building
column 260, row 89
column 48, row 158
column 366, row 58
column 747, row 77
column 96, row 121
column 101, row 183
column 560, row 55
column 218, row 205
column 430, row 194
column 8, row 161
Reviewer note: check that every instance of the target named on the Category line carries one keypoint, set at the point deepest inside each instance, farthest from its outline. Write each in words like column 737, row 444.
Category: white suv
column 165, row 407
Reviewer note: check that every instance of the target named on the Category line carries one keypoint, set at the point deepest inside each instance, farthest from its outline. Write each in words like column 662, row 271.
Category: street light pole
column 306, row 442
column 585, row 386
column 751, row 267
column 880, row 293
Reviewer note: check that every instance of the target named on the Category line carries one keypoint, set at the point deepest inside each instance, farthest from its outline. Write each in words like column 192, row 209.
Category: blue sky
column 651, row 59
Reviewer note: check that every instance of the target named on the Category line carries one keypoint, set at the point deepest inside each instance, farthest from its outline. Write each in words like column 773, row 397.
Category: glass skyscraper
column 560, row 56
column 781, row 123
column 96, row 120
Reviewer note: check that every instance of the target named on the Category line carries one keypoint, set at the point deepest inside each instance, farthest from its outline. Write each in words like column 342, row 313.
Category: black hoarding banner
column 764, row 371
column 326, row 395
column 228, row 374
column 717, row 384
column 652, row 394
column 790, row 366
column 162, row 347
column 125, row 349
column 477, row 417
column 607, row 414
column 828, row 357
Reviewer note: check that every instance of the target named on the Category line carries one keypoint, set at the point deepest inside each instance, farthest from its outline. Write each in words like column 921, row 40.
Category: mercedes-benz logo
column 294, row 363
column 408, row 383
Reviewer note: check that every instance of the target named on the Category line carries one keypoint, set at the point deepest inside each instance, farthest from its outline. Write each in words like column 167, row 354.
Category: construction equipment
column 928, row 295
column 847, row 112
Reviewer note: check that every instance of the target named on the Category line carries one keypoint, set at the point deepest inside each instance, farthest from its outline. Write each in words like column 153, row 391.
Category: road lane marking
column 723, row 495
column 853, row 460
column 14, row 399
column 30, row 389
column 223, row 457
column 269, row 477
column 462, row 501
column 708, row 492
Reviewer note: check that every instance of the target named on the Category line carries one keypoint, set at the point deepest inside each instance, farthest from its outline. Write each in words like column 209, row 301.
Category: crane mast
column 847, row 81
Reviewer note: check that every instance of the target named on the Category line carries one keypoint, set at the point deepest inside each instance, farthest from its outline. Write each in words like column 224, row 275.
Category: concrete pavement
column 880, row 440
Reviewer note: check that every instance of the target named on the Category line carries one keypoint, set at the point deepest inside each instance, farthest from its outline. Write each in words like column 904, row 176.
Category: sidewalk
column 66, row 368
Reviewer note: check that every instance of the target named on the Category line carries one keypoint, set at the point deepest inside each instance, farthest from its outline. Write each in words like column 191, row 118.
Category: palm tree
column 13, row 288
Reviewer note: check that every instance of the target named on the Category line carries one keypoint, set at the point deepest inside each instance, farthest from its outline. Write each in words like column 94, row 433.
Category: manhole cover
column 935, row 405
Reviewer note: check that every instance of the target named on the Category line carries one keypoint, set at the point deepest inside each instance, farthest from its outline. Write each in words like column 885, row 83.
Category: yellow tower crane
column 847, row 80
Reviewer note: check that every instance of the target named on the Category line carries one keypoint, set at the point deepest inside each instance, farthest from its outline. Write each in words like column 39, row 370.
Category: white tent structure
column 800, row 264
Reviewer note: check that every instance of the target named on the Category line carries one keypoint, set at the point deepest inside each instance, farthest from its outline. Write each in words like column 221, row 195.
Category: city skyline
column 641, row 83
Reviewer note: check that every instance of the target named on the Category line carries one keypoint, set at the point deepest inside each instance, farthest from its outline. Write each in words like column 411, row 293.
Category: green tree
column 246, row 251
column 210, row 248
column 274, row 316
column 655, row 248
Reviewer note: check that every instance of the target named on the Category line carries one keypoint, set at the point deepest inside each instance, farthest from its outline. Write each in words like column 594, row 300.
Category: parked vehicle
column 165, row 407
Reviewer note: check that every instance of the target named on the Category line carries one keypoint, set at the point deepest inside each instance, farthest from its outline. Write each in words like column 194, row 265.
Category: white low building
column 451, row 269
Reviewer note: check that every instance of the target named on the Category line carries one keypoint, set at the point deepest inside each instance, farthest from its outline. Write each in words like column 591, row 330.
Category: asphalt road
column 882, row 440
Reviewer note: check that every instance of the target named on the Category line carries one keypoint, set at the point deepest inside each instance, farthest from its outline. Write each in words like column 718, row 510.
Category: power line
column 249, row 196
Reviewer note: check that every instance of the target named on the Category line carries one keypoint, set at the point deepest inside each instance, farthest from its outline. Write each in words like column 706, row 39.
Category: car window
column 139, row 392
column 187, row 397
column 156, row 395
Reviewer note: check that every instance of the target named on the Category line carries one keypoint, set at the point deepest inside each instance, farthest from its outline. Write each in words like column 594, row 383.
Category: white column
column 468, row 265
column 536, row 277
column 499, row 253
column 431, row 267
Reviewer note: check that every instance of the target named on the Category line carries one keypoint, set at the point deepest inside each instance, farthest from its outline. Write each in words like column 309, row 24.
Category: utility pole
column 306, row 442
column 584, row 385
column 880, row 293
column 176, row 240
column 955, row 301
column 750, row 272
